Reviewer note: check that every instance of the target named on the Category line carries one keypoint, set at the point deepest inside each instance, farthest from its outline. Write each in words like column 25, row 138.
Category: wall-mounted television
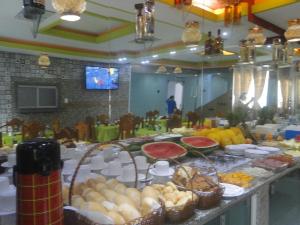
column 100, row 78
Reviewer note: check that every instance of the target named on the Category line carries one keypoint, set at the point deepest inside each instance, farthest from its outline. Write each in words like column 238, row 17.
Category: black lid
column 38, row 156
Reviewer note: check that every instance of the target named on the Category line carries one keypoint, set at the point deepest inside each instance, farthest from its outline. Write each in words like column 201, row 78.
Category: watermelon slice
column 163, row 150
column 199, row 142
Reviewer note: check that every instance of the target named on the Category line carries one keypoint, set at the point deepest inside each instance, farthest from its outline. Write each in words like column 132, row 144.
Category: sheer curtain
column 259, row 84
column 284, row 81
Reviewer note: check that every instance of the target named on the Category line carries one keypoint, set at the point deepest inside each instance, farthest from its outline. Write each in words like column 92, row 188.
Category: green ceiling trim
column 118, row 33
column 70, row 35
column 98, row 16
column 51, row 25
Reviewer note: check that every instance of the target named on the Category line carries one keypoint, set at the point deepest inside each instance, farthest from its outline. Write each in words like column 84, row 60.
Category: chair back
column 32, row 130
column 103, row 119
column 151, row 118
column 138, row 122
column 82, row 129
column 90, row 121
column 67, row 133
column 16, row 124
column 173, row 122
column 193, row 119
column 56, row 125
column 126, row 126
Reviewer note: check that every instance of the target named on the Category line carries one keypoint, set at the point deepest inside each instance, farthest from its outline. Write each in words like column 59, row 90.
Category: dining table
column 107, row 133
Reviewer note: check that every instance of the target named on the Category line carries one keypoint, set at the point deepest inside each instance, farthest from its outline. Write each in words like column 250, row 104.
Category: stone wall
column 68, row 75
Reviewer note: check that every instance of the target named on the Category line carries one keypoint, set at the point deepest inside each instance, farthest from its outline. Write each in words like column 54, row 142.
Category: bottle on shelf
column 219, row 44
column 209, row 45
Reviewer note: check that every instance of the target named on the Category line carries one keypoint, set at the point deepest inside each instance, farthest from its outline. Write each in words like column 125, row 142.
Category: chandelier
column 161, row 69
column 232, row 12
column 177, row 70
column 293, row 32
column 44, row 61
column 256, row 36
column 191, row 35
column 70, row 10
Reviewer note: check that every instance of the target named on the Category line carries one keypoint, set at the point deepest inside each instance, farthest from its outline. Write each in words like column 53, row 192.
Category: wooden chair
column 178, row 112
column 82, row 129
column 126, row 126
column 90, row 121
column 138, row 122
column 193, row 119
column 32, row 130
column 173, row 122
column 66, row 133
column 55, row 126
column 151, row 118
column 103, row 119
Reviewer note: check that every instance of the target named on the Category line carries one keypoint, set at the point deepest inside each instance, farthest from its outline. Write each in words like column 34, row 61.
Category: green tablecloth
column 107, row 133
column 8, row 140
column 163, row 123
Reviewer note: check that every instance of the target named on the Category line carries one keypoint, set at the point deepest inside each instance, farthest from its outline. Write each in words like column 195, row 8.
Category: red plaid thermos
column 38, row 182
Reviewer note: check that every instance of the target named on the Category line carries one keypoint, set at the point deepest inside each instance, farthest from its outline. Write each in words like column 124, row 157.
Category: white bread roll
column 66, row 194
column 116, row 217
column 94, row 207
column 149, row 205
column 86, row 191
column 100, row 179
column 120, row 188
column 150, row 192
column 112, row 183
column 77, row 201
column 91, row 183
column 129, row 212
column 109, row 194
column 109, row 205
column 121, row 199
column 94, row 196
column 79, row 188
column 134, row 195
column 101, row 186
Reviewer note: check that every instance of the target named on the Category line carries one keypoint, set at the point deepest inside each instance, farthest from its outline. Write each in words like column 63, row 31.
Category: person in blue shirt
column 171, row 105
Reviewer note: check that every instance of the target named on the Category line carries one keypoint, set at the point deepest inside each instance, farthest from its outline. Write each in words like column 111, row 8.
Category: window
column 37, row 97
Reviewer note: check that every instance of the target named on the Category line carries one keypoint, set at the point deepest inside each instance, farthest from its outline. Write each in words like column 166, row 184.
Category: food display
column 270, row 164
column 292, row 143
column 238, row 178
column 113, row 200
column 183, row 131
column 257, row 172
column 293, row 153
column 283, row 158
column 199, row 142
column 163, row 150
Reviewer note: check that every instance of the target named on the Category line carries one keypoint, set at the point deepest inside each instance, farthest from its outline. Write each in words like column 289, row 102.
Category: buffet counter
column 259, row 215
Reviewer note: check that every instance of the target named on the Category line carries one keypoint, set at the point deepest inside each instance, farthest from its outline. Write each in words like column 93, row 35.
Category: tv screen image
column 98, row 78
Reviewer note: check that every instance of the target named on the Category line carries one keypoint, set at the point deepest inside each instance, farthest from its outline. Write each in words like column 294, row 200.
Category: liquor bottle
column 209, row 45
column 219, row 44
column 140, row 23
column 149, row 19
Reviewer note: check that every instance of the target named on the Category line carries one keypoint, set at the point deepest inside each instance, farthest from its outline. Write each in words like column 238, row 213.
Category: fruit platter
column 163, row 150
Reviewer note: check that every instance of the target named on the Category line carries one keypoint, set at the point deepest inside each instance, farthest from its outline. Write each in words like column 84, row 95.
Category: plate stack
column 255, row 153
column 235, row 150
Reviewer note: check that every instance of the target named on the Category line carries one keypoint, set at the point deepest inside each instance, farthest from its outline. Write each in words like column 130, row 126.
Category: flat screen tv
column 99, row 78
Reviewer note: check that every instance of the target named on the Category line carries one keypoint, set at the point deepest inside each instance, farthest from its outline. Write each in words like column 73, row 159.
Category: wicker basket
column 74, row 218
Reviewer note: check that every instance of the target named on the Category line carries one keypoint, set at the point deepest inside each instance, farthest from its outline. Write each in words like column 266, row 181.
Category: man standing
column 171, row 105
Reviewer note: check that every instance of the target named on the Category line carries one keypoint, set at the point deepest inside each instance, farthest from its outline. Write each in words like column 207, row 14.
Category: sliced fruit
column 163, row 150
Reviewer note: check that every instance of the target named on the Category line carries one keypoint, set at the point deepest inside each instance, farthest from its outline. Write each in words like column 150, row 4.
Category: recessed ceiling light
column 193, row 49
column 145, row 62
column 266, row 66
column 154, row 56
column 224, row 33
column 269, row 46
column 172, row 53
column 70, row 17
column 122, row 59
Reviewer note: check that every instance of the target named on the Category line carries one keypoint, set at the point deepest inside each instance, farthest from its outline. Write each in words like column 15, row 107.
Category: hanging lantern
column 256, row 36
column 161, row 69
column 293, row 32
column 277, row 50
column 227, row 15
column 180, row 3
column 237, row 14
column 191, row 35
column 70, row 10
column 177, row 70
column 44, row 61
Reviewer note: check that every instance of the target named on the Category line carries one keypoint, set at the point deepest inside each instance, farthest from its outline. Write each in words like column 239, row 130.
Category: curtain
column 236, row 84
column 246, row 79
column 259, row 84
column 285, row 87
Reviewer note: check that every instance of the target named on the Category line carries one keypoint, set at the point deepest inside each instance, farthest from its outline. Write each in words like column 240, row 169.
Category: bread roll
column 116, row 217
column 109, row 205
column 91, row 183
column 77, row 201
column 120, row 199
column 149, row 205
column 109, row 194
column 101, row 186
column 100, row 179
column 120, row 188
column 129, row 212
column 112, row 183
column 134, row 195
column 93, row 206
column 66, row 194
column 86, row 191
column 94, row 196
column 79, row 188
column 150, row 192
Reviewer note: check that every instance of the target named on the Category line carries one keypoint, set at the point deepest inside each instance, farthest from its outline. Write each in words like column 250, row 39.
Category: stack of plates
column 235, row 150
column 271, row 150
column 255, row 153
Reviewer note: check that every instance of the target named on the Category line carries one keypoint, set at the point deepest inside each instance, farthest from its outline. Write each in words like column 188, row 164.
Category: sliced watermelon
column 163, row 150
column 199, row 142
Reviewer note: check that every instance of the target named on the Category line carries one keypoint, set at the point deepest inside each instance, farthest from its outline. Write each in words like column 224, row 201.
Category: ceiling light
column 293, row 32
column 172, row 52
column 44, row 61
column 269, row 46
column 177, row 70
column 256, row 36
column 154, row 56
column 224, row 33
column 70, row 10
column 161, row 69
column 191, row 35
column 122, row 59
column 266, row 66
column 193, row 49
column 145, row 62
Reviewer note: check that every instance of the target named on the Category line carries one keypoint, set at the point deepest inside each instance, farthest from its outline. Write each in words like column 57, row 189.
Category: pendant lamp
column 191, row 35
column 256, row 36
column 177, row 70
column 293, row 32
column 70, row 10
column 161, row 69
column 44, row 61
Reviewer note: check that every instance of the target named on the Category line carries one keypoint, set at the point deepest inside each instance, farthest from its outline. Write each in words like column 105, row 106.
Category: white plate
column 99, row 168
column 140, row 177
column 155, row 173
column 269, row 149
column 254, row 153
column 231, row 191
column 106, row 173
column 7, row 165
column 248, row 146
column 144, row 168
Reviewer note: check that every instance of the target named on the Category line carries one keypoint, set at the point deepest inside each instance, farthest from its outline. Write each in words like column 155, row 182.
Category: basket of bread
column 102, row 201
